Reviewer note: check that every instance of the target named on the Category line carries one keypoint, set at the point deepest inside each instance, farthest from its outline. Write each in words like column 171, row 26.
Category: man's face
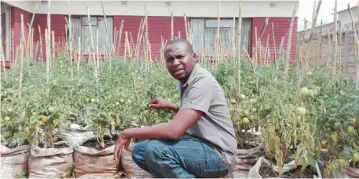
column 180, row 61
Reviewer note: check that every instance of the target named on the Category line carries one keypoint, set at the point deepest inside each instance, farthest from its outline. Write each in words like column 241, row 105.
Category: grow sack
column 14, row 162
column 246, row 158
column 131, row 169
column 75, row 135
column 93, row 163
column 352, row 172
column 51, row 162
column 254, row 172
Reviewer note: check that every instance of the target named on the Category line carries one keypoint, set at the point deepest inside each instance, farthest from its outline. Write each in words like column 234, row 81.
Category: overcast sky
column 326, row 10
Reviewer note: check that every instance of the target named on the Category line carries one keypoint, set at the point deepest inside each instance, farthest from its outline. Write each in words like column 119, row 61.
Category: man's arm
column 172, row 130
column 195, row 103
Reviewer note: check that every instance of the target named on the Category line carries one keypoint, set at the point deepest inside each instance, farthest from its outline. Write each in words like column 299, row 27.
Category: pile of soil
column 267, row 172
column 94, row 144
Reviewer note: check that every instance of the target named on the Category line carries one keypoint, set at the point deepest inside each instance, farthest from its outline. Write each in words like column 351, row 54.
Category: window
column 349, row 26
column 204, row 35
column 81, row 28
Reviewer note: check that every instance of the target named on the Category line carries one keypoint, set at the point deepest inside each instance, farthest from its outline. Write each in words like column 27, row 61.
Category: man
column 200, row 141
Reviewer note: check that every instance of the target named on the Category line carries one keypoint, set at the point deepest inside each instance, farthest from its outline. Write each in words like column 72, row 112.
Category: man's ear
column 195, row 57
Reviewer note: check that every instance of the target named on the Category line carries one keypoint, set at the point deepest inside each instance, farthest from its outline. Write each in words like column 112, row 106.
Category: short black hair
column 183, row 41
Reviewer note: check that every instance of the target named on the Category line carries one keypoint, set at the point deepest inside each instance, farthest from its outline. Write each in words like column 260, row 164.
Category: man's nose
column 176, row 62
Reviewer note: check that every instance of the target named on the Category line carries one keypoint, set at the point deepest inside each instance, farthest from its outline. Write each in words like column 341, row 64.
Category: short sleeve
column 199, row 96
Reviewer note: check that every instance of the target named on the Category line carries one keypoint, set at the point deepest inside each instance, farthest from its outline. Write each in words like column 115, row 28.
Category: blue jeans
column 184, row 158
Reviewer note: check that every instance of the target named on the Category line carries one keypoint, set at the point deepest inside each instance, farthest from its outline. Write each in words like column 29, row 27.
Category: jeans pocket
column 205, row 168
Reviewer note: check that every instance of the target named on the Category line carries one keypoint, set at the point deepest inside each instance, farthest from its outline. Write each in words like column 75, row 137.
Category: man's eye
column 169, row 59
column 179, row 56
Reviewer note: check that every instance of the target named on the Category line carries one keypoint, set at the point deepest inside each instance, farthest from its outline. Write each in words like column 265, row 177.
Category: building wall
column 159, row 26
column 57, row 26
column 345, row 19
column 251, row 8
column 281, row 29
column 16, row 26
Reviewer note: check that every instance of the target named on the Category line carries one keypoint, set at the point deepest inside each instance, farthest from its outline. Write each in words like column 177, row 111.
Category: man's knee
column 138, row 151
column 154, row 149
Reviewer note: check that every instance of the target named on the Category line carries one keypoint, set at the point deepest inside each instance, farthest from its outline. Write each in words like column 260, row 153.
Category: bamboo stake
column 2, row 56
column 339, row 46
column 139, row 37
column 147, row 39
column 355, row 34
column 126, row 44
column 78, row 58
column 335, row 37
column 120, row 38
column 91, row 36
column 234, row 35
column 217, row 37
column 41, row 47
column 275, row 48
column 185, row 26
column 172, row 25
column 21, row 54
column 53, row 44
column 239, row 47
column 97, row 52
column 70, row 39
column 321, row 43
column 290, row 37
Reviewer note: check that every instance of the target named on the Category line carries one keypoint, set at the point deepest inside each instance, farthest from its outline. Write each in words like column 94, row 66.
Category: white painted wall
column 25, row 5
column 251, row 8
column 344, row 17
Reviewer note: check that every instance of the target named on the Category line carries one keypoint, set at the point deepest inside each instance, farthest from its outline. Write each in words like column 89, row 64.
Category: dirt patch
column 267, row 172
column 95, row 144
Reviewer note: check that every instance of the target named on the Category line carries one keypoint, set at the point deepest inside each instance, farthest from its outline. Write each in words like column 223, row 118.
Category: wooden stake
column 172, row 26
column 335, row 38
column 290, row 37
column 239, row 47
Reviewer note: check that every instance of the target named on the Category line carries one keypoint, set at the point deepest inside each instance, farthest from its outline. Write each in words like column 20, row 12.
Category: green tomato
column 356, row 157
column 7, row 118
column 301, row 111
column 306, row 92
column 350, row 129
column 51, row 109
column 245, row 120
column 242, row 97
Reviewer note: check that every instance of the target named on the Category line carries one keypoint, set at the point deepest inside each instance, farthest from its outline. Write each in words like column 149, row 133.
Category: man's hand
column 122, row 141
column 160, row 103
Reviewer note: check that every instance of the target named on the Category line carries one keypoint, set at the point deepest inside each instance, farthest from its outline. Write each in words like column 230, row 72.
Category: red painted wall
column 57, row 25
column 16, row 26
column 157, row 27
column 281, row 29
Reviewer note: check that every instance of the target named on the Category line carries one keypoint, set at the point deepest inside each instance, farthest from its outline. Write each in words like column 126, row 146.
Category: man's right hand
column 160, row 103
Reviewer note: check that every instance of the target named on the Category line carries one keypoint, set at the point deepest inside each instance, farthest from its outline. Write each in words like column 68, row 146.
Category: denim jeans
column 184, row 158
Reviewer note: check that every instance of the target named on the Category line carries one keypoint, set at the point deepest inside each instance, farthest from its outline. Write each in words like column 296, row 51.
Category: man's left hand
column 122, row 141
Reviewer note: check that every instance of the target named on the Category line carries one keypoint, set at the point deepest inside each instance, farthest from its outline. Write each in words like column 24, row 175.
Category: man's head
column 180, row 59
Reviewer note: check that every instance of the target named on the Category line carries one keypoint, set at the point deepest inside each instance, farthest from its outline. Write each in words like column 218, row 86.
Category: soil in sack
column 14, row 161
column 53, row 162
column 263, row 169
column 130, row 168
column 93, row 161
column 247, row 156
column 353, row 170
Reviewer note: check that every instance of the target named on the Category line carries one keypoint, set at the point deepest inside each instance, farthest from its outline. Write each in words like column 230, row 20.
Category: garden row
column 290, row 120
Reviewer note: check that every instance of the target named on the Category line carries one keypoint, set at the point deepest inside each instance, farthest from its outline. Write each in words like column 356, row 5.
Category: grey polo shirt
column 202, row 92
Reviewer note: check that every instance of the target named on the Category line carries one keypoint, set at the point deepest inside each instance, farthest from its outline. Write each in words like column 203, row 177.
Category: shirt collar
column 191, row 77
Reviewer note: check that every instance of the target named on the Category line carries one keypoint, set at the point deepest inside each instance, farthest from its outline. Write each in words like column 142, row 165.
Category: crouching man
column 200, row 141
